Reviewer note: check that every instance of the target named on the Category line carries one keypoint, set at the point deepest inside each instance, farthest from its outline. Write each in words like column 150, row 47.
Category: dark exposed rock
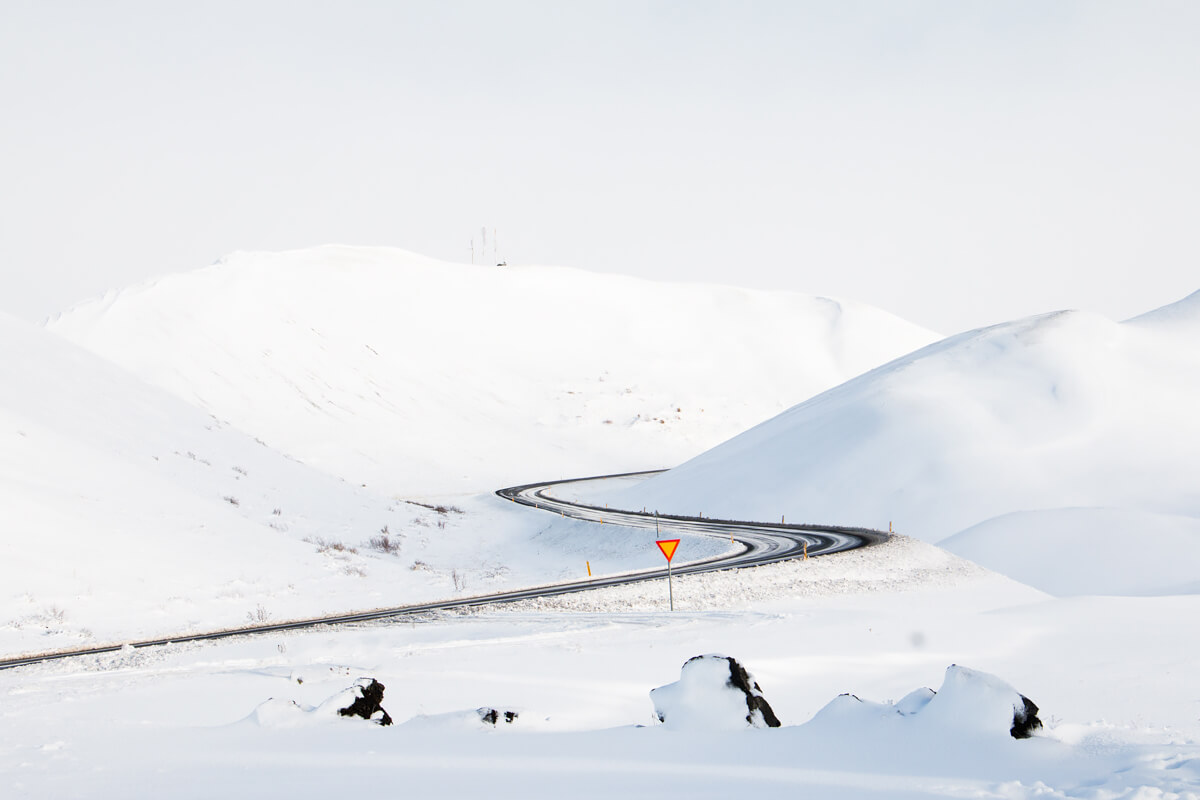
column 712, row 673
column 740, row 679
column 1025, row 720
column 491, row 716
column 367, row 704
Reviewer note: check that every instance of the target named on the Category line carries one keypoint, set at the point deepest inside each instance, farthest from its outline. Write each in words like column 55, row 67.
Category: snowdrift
column 1080, row 551
column 969, row 703
column 1064, row 410
column 418, row 376
column 714, row 692
column 365, row 694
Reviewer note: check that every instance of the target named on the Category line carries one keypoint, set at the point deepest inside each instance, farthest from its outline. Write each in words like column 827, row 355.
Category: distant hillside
column 1061, row 411
column 128, row 513
column 417, row 376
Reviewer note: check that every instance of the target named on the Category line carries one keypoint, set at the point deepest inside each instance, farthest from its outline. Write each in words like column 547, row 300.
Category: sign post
column 668, row 547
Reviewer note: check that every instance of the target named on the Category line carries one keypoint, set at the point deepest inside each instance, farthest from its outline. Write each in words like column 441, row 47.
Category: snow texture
column 217, row 476
column 422, row 377
column 714, row 692
column 1004, row 433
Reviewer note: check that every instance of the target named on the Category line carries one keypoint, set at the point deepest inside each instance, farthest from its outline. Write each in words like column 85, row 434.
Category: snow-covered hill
column 1065, row 410
column 128, row 513
column 425, row 377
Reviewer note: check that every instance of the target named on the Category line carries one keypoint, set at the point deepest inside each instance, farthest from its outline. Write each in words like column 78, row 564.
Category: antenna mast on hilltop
column 483, row 233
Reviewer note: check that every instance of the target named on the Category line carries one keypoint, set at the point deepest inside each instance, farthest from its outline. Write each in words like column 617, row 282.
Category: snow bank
column 478, row 719
column 364, row 694
column 1077, row 551
column 1061, row 410
column 969, row 702
column 424, row 377
column 714, row 692
column 898, row 565
column 276, row 712
column 976, row 701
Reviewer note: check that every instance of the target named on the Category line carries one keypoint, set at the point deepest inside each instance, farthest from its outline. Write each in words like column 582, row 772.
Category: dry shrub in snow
column 384, row 542
column 325, row 546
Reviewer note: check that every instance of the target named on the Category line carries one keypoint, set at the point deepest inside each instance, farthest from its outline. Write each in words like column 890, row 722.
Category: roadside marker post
column 668, row 547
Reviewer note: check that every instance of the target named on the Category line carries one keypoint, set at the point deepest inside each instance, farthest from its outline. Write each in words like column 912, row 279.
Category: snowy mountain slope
column 1056, row 411
column 1182, row 317
column 129, row 513
column 426, row 377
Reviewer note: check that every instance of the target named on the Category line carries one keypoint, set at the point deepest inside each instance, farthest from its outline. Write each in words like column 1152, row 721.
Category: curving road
column 759, row 543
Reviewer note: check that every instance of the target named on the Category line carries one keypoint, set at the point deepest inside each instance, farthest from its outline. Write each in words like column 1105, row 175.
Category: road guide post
column 668, row 549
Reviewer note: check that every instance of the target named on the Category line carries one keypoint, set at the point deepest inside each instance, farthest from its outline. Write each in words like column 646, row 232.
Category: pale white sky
column 957, row 163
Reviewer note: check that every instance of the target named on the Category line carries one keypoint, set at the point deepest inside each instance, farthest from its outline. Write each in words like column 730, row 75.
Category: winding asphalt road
column 761, row 542
column 758, row 543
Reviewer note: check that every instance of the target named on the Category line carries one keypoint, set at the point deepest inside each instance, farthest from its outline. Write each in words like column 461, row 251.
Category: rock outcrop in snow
column 714, row 692
column 367, row 704
column 969, row 701
column 493, row 715
column 974, row 700
column 359, row 700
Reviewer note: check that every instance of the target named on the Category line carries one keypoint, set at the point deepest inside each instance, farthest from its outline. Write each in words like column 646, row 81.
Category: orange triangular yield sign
column 668, row 547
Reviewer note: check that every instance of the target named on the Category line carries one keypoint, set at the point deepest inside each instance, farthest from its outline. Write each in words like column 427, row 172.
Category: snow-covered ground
column 1114, row 680
column 1059, row 451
